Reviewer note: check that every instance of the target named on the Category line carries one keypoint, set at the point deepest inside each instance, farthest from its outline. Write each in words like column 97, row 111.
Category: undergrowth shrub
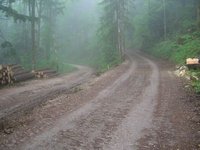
column 179, row 49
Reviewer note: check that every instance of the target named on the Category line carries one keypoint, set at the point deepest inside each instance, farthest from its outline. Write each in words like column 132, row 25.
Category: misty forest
column 55, row 33
column 122, row 51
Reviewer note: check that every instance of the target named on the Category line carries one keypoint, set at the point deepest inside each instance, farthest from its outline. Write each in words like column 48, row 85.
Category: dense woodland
column 55, row 33
column 168, row 29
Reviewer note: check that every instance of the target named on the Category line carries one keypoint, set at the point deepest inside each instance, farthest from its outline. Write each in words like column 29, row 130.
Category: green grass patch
column 196, row 86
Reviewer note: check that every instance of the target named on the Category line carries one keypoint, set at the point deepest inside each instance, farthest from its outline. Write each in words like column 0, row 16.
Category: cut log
column 1, row 75
column 1, row 67
column 19, row 72
column 46, row 73
column 17, row 69
column 13, row 73
column 23, row 77
column 13, row 67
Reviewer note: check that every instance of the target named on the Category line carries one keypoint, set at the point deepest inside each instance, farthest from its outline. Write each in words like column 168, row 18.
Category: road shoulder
column 176, row 119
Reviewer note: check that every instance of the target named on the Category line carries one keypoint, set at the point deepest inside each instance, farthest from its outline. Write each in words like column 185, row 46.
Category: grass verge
column 179, row 49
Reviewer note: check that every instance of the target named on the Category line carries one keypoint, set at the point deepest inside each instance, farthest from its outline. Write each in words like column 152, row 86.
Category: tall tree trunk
column 33, row 33
column 50, row 20
column 118, row 32
column 26, row 32
column 119, row 38
column 39, row 22
column 120, row 12
column 123, row 29
column 164, row 20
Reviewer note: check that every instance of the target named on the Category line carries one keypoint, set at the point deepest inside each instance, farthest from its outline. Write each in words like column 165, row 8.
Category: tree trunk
column 123, row 30
column 119, row 38
column 39, row 22
column 119, row 31
column 33, row 33
column 164, row 20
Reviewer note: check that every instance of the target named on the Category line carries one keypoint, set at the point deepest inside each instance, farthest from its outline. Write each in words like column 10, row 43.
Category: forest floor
column 140, row 104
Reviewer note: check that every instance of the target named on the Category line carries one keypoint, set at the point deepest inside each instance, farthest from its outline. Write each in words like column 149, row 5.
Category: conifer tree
column 113, row 28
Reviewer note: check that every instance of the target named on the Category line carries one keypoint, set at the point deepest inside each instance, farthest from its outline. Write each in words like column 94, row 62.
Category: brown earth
column 15, row 101
column 140, row 104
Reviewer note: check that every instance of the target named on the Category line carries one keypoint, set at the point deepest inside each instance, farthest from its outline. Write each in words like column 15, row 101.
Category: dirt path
column 32, row 93
column 126, row 108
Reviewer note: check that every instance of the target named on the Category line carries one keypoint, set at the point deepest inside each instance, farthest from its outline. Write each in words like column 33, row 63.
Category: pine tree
column 113, row 27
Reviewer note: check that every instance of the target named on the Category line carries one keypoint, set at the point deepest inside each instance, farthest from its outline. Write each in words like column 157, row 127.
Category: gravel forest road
column 14, row 101
column 137, row 105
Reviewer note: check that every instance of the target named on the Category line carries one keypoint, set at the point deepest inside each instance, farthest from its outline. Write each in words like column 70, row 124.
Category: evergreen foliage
column 6, row 8
column 181, row 21
column 112, row 32
column 50, row 32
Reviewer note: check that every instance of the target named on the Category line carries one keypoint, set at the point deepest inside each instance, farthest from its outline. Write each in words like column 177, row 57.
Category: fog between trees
column 53, row 33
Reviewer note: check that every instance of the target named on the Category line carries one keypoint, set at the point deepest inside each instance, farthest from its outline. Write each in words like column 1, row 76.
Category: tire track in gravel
column 139, row 118
column 86, row 110
column 113, row 120
column 15, row 101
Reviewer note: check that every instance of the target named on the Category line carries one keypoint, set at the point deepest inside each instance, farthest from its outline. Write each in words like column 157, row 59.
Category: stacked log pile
column 13, row 73
column 46, row 73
